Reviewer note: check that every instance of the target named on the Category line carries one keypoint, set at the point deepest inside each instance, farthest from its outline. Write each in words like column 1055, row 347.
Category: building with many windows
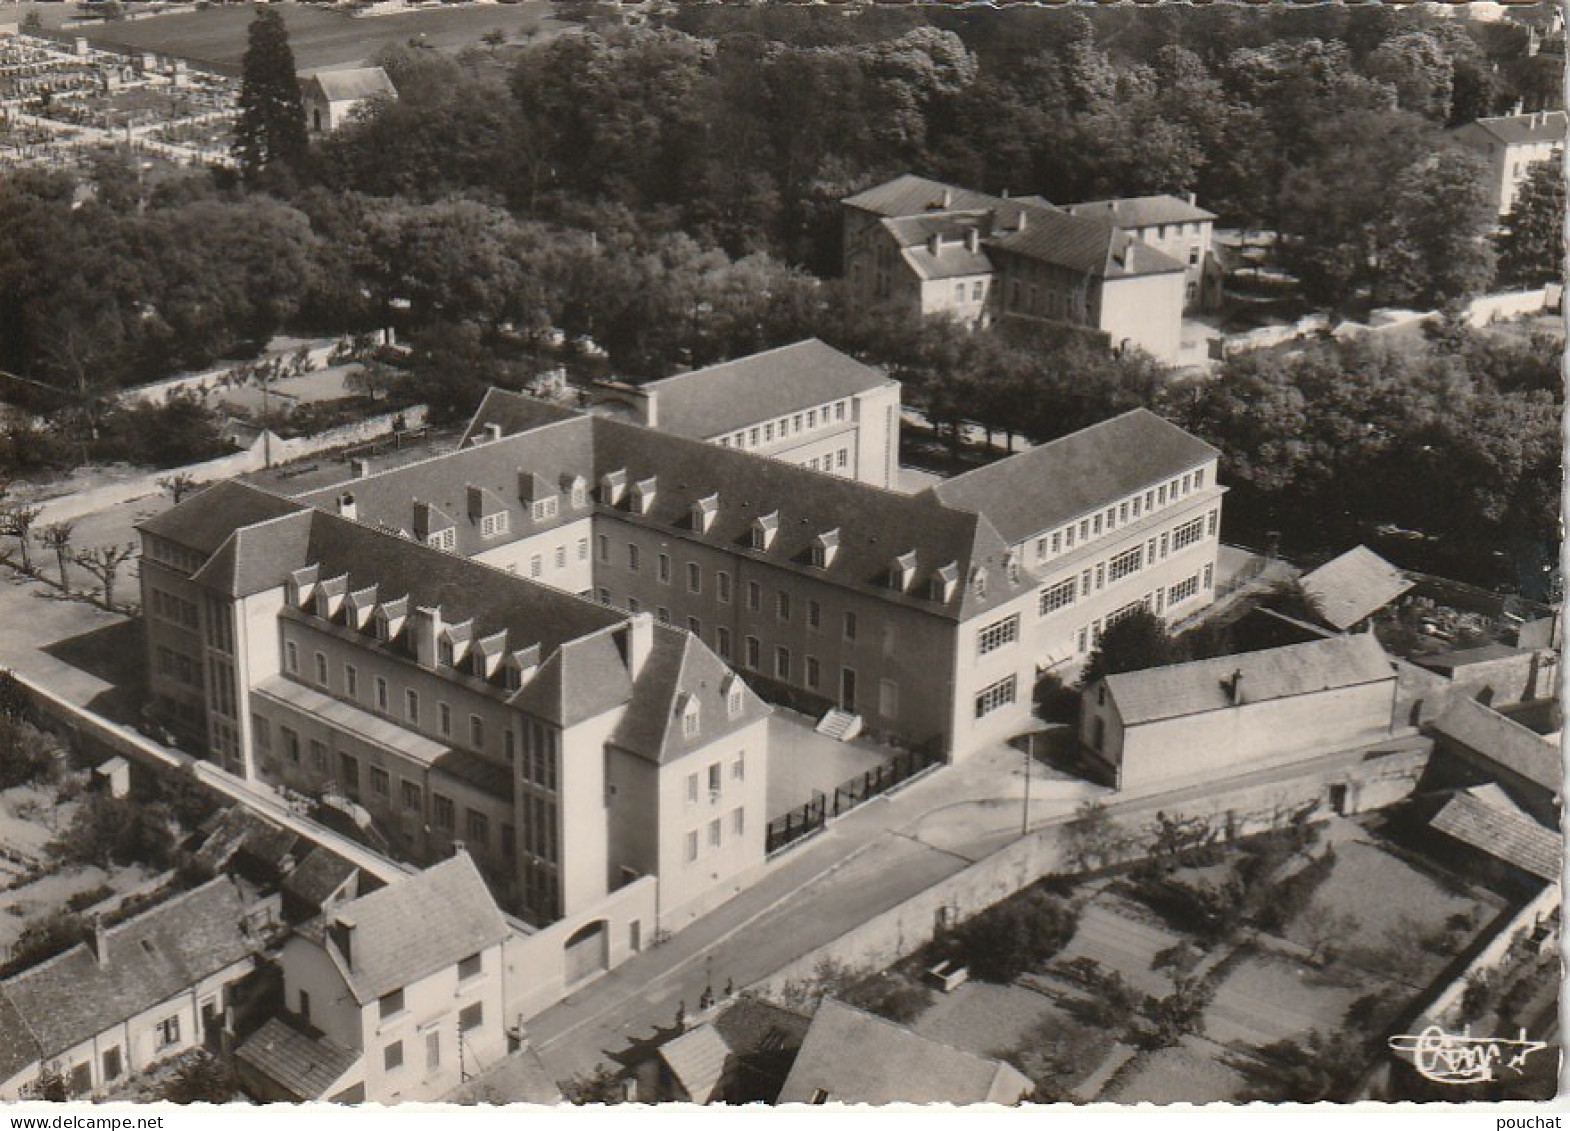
column 1174, row 226
column 531, row 644
column 942, row 250
column 807, row 403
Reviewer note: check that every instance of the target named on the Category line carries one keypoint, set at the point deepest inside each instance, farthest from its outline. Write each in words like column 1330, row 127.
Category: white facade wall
column 1144, row 311
column 560, row 557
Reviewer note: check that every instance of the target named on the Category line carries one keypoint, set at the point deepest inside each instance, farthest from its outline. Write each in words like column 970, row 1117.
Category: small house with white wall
column 1212, row 716
column 331, row 97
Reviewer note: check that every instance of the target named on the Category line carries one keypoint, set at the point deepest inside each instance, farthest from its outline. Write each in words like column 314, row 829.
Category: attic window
column 379, row 622
column 733, row 696
column 513, row 677
column 690, row 718
column 1013, row 566
column 643, row 495
column 943, row 583
column 579, row 493
column 493, row 525
column 703, row 512
column 443, row 539
column 613, row 485
column 824, row 547
column 978, row 581
column 444, row 653
column 902, row 571
column 763, row 530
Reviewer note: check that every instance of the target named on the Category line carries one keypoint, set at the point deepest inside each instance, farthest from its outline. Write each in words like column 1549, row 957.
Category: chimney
column 1193, row 200
column 935, row 244
column 640, row 642
column 973, row 240
column 1234, row 687
column 1004, row 194
column 359, row 468
column 948, row 198
column 341, row 932
column 98, row 938
column 1019, row 226
column 346, row 505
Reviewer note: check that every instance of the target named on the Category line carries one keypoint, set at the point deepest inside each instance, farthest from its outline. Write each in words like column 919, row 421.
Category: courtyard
column 804, row 764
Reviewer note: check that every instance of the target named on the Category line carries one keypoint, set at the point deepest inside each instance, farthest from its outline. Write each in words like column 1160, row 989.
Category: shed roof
column 1276, row 673
column 1354, row 586
column 1495, row 825
column 306, row 1066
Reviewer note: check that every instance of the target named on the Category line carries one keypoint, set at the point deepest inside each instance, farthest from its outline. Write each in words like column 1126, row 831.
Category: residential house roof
column 320, row 876
column 1353, row 587
column 951, row 261
column 711, row 402
column 1276, row 673
column 19, row 1049
column 512, row 412
column 306, row 1066
column 518, row 1078
column 1489, row 821
column 1036, row 490
column 352, row 83
column 151, row 958
column 1504, row 741
column 910, row 195
column 1131, row 212
column 697, row 1061
column 416, row 926
column 853, row 1057
column 1525, row 129
column 1088, row 244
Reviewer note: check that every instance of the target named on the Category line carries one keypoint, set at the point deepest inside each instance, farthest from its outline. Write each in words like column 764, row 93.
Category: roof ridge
column 748, row 357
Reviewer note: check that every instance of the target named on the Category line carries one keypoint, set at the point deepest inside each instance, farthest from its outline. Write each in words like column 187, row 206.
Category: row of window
column 1158, row 601
column 175, row 610
column 738, row 828
column 1120, row 514
column 838, row 460
column 558, row 559
column 178, row 666
column 714, row 778
column 1125, row 563
column 787, row 426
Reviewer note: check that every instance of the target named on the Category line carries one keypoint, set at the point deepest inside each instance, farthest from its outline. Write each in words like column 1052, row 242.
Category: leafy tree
column 1317, row 1068
column 201, row 1078
column 271, row 128
column 45, row 937
column 178, row 485
column 1419, row 69
column 1439, row 251
column 1532, row 249
column 1007, row 939
column 1091, row 838
column 27, row 754
column 108, row 830
column 603, row 1085
column 1139, row 640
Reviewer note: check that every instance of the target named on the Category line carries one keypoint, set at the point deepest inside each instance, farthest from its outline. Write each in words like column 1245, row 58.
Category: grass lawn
column 321, row 38
column 1192, row 1071
column 1269, row 997
column 1122, row 938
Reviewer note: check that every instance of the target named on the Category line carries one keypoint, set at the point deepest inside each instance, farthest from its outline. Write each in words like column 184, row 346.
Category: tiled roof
column 1049, row 485
column 1274, row 673
column 318, row 877
column 953, row 261
column 752, row 1025
column 679, row 665
column 306, row 1067
column 353, row 83
column 512, row 412
column 18, row 1047
column 1141, row 211
column 257, row 558
column 875, row 525
column 1523, row 129
column 912, row 231
column 153, row 957
column 1502, row 740
column 584, row 678
column 1356, row 585
column 518, row 1078
column 204, row 521
column 855, row 1058
column 1498, row 827
column 1088, row 244
column 910, row 195
column 697, row 1060
column 410, row 929
column 722, row 398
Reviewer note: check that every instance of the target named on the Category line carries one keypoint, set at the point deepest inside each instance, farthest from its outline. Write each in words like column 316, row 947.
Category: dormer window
column 824, row 548
column 704, row 512
column 613, row 485
column 978, row 581
column 543, row 510
column 690, row 717
column 643, row 495
column 902, row 571
column 1012, row 565
column 494, row 525
column 764, row 528
column 577, row 492
column 383, row 630
column 732, row 689
column 943, row 583
column 443, row 539
column 444, row 653
column 512, row 678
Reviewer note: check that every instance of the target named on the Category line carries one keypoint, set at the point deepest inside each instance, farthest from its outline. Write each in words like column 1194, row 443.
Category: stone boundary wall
column 1378, row 781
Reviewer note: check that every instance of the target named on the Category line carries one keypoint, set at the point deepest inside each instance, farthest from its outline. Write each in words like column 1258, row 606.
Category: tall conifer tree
column 271, row 128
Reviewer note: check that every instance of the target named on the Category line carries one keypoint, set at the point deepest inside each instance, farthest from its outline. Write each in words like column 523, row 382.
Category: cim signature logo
column 1460, row 1058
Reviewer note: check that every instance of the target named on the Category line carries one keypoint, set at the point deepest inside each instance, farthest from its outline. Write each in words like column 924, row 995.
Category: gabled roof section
column 353, row 83
column 259, row 557
column 512, row 412
column 152, row 958
column 952, row 261
column 874, row 524
column 1492, row 823
column 1525, row 129
column 1194, row 688
column 697, row 1060
column 857, row 1058
column 204, row 521
column 1036, row 490
column 1353, row 586
column 1091, row 245
column 708, row 403
column 306, row 1067
column 586, row 677
column 410, row 929
column 911, row 195
column 680, row 666
column 1504, row 741
column 1142, row 211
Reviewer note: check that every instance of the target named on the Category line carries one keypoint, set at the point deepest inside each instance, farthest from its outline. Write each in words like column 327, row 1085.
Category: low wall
column 537, row 963
column 317, row 355
column 1544, row 904
column 879, row 942
column 1513, row 304
column 254, row 458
